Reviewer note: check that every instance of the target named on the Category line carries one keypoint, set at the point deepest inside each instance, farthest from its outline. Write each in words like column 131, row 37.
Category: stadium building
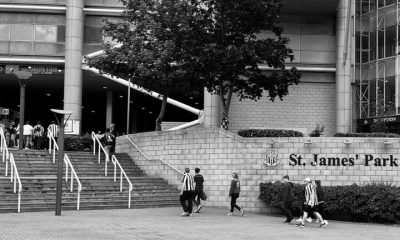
column 346, row 50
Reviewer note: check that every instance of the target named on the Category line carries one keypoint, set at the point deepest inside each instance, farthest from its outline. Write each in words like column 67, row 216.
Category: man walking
column 288, row 199
column 198, row 189
column 108, row 141
column 187, row 193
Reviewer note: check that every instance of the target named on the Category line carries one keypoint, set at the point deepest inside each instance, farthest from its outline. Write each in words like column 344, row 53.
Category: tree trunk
column 161, row 114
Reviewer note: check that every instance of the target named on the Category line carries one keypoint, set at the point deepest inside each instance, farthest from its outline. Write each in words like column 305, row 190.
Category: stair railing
column 123, row 174
column 96, row 140
column 144, row 155
column 53, row 146
column 73, row 174
column 14, row 175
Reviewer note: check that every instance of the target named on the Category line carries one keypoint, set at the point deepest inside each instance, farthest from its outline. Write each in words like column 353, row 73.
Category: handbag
column 203, row 196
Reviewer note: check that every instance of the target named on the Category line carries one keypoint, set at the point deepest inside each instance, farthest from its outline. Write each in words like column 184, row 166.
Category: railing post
column 72, row 181
column 105, row 166
column 99, row 154
column 115, row 172
column 12, row 172
column 120, row 185
column 66, row 171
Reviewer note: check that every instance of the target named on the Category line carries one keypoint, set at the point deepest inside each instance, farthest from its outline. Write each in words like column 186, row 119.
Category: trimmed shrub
column 77, row 143
column 370, row 135
column 377, row 203
column 249, row 133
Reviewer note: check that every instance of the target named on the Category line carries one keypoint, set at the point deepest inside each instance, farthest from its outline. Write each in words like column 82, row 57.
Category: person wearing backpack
column 108, row 141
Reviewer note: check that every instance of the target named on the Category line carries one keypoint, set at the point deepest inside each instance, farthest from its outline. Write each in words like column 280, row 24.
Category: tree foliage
column 232, row 60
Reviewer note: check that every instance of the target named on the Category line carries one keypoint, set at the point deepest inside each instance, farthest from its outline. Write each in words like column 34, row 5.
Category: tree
column 231, row 59
column 160, row 41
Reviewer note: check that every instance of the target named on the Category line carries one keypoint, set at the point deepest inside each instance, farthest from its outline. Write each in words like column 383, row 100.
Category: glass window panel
column 317, row 25
column 21, row 32
column 49, row 49
column 390, row 46
column 4, row 47
column 4, row 32
column 390, row 18
column 93, row 35
column 21, row 48
column 45, row 33
column 381, row 43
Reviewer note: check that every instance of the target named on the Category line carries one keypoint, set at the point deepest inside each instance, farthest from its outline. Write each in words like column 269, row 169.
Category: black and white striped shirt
column 187, row 182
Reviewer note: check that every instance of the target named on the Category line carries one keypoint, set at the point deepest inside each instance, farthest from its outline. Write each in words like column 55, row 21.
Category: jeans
column 196, row 197
column 187, row 196
column 234, row 196
column 287, row 209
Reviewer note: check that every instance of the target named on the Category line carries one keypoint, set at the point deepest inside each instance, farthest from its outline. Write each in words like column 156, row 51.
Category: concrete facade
column 218, row 153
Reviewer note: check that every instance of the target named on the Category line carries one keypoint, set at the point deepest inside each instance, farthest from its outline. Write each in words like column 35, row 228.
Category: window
column 45, row 33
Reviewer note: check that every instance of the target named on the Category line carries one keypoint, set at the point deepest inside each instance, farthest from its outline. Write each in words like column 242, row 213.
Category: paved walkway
column 166, row 223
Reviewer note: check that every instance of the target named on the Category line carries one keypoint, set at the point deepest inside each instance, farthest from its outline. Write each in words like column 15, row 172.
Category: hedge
column 269, row 133
column 77, row 143
column 377, row 203
column 369, row 135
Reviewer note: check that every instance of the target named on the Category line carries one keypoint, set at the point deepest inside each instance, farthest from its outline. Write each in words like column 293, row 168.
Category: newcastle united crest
column 271, row 158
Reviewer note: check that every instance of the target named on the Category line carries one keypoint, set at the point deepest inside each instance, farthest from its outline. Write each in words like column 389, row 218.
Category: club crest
column 271, row 158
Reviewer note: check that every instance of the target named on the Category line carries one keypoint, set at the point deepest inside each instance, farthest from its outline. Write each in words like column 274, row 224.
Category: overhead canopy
column 317, row 7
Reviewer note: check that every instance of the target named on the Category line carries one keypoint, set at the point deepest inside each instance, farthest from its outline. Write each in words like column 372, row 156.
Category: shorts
column 309, row 209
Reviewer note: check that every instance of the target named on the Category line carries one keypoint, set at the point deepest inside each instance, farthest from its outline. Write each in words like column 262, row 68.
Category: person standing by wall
column 27, row 131
column 198, row 189
column 288, row 199
column 187, row 193
column 38, row 134
column 234, row 193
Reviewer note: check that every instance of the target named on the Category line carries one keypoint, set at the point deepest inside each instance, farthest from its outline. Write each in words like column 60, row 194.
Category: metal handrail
column 149, row 158
column 52, row 145
column 14, row 176
column 123, row 174
column 73, row 174
column 116, row 163
column 4, row 149
column 95, row 139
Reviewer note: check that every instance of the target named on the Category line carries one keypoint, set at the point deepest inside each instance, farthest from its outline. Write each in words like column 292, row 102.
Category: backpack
column 109, row 139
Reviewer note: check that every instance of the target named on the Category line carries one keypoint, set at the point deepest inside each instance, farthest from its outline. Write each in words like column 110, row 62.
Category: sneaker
column 198, row 209
column 309, row 219
column 242, row 212
column 229, row 214
column 323, row 224
column 317, row 221
column 301, row 225
column 292, row 221
column 287, row 221
column 298, row 220
column 184, row 214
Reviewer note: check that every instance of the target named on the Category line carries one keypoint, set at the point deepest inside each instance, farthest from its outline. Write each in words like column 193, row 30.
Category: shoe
column 229, row 214
column 323, row 224
column 198, row 209
column 292, row 221
column 242, row 212
column 317, row 221
column 298, row 220
column 309, row 219
column 287, row 221
column 184, row 214
column 301, row 225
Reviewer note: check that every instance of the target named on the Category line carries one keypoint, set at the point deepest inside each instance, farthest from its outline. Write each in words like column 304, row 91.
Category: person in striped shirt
column 310, row 203
column 187, row 193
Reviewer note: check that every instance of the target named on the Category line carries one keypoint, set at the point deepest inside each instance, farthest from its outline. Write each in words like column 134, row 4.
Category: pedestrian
column 113, row 130
column 321, row 200
column 310, row 203
column 234, row 193
column 288, row 199
column 198, row 189
column 13, row 135
column 7, row 135
column 17, row 128
column 108, row 141
column 27, row 131
column 54, row 130
column 38, row 134
column 186, row 195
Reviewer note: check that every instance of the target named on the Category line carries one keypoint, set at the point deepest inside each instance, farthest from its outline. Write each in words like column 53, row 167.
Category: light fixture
column 143, row 108
column 150, row 112
column 93, row 111
column 104, row 87
column 48, row 94
column 191, row 98
column 121, row 96
column 196, row 103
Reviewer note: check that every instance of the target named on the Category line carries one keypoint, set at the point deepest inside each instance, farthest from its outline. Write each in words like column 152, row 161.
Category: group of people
column 193, row 191
column 314, row 201
column 34, row 137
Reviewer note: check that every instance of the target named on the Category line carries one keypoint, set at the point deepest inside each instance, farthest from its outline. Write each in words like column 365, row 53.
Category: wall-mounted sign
column 72, row 127
column 42, row 69
column 271, row 158
column 388, row 119
column 4, row 111
column 366, row 160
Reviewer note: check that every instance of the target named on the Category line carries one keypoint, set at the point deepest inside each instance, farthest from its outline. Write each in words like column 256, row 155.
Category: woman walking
column 234, row 192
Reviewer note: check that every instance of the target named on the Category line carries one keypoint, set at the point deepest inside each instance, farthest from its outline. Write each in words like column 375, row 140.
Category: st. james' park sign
column 357, row 159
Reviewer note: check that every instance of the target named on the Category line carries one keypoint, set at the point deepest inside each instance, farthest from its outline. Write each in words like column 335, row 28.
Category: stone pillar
column 73, row 58
column 109, row 109
column 211, row 110
column 343, row 70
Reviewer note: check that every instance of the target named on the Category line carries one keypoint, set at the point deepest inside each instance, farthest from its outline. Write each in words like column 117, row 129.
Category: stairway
column 39, row 175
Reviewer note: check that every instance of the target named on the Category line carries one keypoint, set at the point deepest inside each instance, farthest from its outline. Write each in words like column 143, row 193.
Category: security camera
column 11, row 69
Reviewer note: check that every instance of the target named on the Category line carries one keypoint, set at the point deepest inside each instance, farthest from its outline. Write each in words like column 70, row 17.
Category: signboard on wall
column 72, row 127
column 2, row 69
column 42, row 69
column 4, row 111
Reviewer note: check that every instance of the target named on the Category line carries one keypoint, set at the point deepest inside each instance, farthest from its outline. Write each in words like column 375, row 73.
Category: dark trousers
column 187, row 196
column 196, row 197
column 287, row 209
column 234, row 196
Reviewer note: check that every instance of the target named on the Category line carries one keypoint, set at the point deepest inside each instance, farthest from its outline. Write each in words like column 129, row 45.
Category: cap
column 307, row 179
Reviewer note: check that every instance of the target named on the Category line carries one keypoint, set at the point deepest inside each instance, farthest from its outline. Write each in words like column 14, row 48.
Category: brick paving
column 166, row 223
